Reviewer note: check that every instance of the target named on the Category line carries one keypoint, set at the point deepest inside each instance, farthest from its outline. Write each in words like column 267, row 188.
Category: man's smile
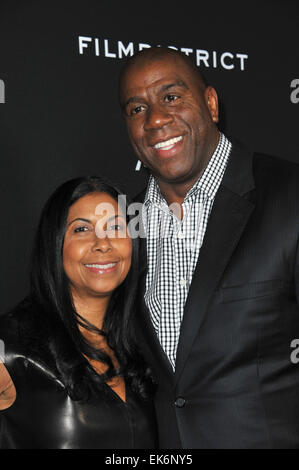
column 168, row 144
column 168, row 148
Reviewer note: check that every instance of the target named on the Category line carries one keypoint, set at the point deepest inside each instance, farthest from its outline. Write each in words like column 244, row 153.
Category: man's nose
column 157, row 117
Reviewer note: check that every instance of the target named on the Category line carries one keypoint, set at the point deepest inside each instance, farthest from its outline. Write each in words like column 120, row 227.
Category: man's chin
column 175, row 177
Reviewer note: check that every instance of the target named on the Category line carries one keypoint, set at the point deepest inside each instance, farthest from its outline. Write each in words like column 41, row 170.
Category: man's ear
column 212, row 102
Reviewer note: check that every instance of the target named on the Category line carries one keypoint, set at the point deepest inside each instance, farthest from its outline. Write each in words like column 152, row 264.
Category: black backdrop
column 59, row 115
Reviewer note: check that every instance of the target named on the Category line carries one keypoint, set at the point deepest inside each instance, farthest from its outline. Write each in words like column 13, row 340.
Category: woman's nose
column 102, row 243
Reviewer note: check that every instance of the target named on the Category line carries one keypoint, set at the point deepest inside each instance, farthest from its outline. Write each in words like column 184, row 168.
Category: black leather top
column 45, row 417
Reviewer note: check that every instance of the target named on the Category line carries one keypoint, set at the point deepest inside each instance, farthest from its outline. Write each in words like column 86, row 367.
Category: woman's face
column 97, row 248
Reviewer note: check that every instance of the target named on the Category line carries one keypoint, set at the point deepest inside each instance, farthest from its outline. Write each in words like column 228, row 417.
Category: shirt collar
column 207, row 183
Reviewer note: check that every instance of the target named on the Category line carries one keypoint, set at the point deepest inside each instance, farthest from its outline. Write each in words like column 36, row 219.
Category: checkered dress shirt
column 173, row 247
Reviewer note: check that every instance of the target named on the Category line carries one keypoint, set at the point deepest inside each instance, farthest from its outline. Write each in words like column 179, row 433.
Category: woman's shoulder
column 19, row 327
column 25, row 336
column 23, row 349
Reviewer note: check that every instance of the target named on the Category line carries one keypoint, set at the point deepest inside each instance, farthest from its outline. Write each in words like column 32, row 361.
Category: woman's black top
column 43, row 415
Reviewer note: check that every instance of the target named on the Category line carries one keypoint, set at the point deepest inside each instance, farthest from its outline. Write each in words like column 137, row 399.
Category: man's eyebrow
column 173, row 85
column 133, row 99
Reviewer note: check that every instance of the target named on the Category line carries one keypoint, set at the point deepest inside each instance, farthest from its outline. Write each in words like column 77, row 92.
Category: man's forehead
column 155, row 74
column 160, row 62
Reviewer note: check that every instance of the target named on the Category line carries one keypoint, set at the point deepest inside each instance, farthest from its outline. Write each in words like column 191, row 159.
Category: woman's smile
column 102, row 268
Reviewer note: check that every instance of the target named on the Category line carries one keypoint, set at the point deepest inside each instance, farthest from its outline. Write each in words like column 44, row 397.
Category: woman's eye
column 116, row 227
column 81, row 229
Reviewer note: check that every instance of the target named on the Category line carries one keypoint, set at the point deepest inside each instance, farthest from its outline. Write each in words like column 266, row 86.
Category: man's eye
column 137, row 110
column 170, row 98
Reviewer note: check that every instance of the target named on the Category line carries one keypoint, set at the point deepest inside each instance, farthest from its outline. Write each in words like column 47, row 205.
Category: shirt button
column 183, row 282
column 180, row 402
column 180, row 235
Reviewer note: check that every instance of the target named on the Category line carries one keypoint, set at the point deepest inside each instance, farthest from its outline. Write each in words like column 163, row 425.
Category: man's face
column 170, row 118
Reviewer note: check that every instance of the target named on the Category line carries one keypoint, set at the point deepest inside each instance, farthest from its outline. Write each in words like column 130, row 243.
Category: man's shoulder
column 266, row 169
column 275, row 163
column 262, row 160
column 269, row 169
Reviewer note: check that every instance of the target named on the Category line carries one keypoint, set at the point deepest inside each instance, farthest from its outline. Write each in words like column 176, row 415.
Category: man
column 221, row 290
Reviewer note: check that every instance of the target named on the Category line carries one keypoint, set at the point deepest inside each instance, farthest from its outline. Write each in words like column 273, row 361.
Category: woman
column 73, row 376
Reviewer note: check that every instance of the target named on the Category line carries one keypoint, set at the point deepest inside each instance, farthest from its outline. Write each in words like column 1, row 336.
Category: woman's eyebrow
column 90, row 222
column 79, row 218
column 115, row 217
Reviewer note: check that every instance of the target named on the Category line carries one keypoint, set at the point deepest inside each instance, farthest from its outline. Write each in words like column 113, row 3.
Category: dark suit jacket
column 235, row 385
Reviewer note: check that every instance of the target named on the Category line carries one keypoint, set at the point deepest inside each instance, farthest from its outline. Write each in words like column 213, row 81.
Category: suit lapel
column 229, row 216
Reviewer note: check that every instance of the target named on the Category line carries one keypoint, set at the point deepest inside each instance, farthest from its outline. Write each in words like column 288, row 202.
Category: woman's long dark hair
column 50, row 296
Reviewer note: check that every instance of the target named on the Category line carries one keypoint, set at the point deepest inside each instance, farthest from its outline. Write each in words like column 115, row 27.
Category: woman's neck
column 92, row 309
